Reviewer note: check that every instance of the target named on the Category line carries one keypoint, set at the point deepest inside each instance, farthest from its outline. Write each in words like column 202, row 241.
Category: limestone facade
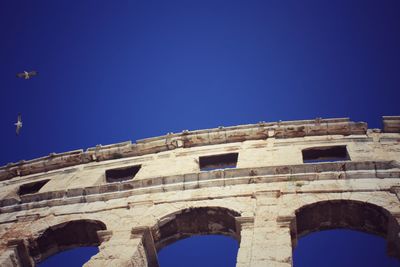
column 264, row 184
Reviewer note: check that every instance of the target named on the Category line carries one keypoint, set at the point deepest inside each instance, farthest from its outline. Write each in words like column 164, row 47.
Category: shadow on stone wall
column 347, row 214
column 195, row 221
column 71, row 234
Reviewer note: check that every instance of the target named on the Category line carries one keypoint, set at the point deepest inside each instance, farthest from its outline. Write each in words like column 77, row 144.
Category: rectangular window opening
column 223, row 161
column 325, row 154
column 31, row 188
column 122, row 174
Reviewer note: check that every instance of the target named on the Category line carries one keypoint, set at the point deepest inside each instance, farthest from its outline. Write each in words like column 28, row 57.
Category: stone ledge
column 285, row 219
column 28, row 218
column 186, row 139
column 104, row 235
column 391, row 124
column 268, row 194
column 289, row 173
column 242, row 223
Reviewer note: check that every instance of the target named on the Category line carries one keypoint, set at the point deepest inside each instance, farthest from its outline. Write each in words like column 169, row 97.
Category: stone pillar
column 393, row 235
column 124, row 248
column 16, row 254
column 245, row 230
column 9, row 258
column 148, row 244
column 396, row 190
column 272, row 245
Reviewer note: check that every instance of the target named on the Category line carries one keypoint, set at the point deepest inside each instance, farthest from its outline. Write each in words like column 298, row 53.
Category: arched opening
column 199, row 251
column 74, row 257
column 65, row 236
column 342, row 247
column 201, row 228
column 350, row 215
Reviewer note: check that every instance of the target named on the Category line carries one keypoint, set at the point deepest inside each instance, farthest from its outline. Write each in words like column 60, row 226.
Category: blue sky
column 111, row 71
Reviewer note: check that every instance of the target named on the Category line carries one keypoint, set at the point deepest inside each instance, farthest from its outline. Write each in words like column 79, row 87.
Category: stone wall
column 133, row 199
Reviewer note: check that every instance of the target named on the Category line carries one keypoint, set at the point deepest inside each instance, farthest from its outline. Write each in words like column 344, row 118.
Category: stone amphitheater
column 265, row 184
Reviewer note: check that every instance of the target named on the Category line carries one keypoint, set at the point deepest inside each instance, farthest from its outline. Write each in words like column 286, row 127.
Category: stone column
column 393, row 235
column 245, row 230
column 124, row 248
column 395, row 190
column 10, row 258
column 272, row 245
column 16, row 254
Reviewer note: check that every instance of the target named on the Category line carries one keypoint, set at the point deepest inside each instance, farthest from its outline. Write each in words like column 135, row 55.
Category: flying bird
column 27, row 75
column 18, row 124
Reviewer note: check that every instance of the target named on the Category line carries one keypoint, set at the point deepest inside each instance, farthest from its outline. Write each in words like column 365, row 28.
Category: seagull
column 27, row 75
column 18, row 124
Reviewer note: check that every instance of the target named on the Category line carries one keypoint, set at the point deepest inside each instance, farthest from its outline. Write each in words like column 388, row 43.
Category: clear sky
column 112, row 71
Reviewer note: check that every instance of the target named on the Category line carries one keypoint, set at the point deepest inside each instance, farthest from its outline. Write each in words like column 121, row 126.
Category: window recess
column 31, row 188
column 122, row 174
column 222, row 161
column 325, row 154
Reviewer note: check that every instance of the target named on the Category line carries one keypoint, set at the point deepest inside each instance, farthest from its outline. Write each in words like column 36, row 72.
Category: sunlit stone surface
column 132, row 200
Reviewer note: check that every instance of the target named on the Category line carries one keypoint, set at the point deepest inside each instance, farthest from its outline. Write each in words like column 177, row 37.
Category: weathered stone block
column 268, row 201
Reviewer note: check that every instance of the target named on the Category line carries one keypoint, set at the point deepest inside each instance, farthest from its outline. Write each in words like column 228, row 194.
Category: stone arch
column 195, row 221
column 347, row 214
column 63, row 236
